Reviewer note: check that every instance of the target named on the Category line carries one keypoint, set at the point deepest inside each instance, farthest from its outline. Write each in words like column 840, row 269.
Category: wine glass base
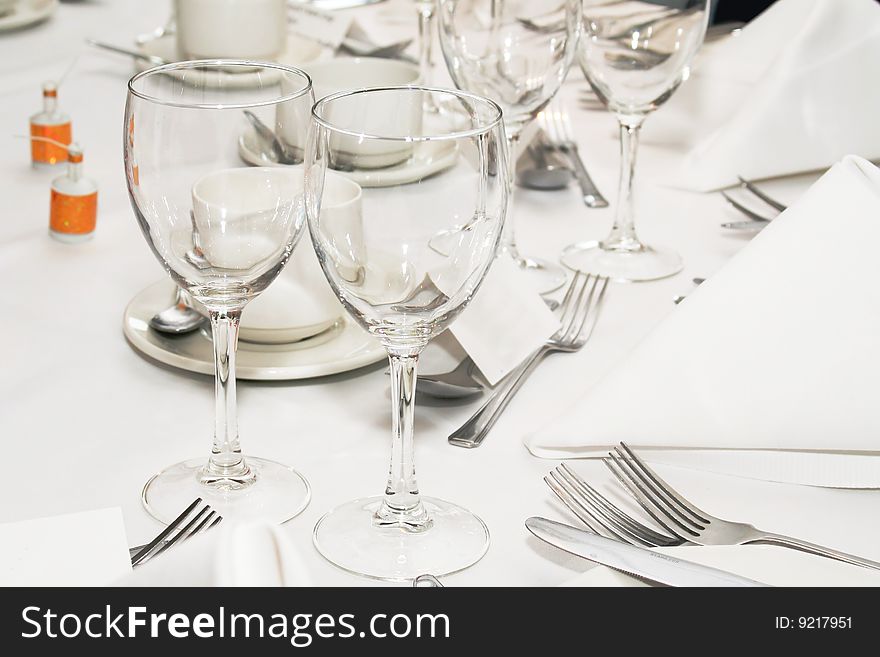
column 277, row 492
column 347, row 538
column 644, row 264
column 544, row 276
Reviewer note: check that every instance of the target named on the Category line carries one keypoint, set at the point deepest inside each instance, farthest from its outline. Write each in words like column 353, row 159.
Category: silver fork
column 198, row 519
column 689, row 523
column 757, row 221
column 560, row 136
column 599, row 514
column 580, row 309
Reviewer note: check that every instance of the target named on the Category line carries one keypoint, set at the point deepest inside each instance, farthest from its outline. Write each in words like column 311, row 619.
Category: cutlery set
column 620, row 541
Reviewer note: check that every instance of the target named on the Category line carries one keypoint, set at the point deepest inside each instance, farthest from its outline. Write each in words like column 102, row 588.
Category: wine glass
column 404, row 292
column 634, row 54
column 425, row 9
column 516, row 52
column 222, row 232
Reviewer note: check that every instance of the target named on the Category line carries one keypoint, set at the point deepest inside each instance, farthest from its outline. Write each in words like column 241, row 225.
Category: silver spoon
column 543, row 171
column 271, row 144
column 179, row 318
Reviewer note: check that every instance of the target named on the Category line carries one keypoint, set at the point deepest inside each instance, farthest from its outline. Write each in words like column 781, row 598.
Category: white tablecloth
column 85, row 420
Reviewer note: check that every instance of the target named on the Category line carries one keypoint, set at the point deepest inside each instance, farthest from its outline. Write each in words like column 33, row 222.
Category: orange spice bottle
column 52, row 124
column 73, row 209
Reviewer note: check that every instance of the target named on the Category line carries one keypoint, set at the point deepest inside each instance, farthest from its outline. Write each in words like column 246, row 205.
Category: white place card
column 76, row 549
column 506, row 321
column 326, row 27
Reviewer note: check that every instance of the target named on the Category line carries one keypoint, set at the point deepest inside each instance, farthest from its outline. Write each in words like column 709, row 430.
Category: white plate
column 341, row 349
column 27, row 12
column 299, row 51
column 428, row 158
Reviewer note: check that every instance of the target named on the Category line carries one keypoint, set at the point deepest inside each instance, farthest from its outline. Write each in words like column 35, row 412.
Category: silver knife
column 641, row 562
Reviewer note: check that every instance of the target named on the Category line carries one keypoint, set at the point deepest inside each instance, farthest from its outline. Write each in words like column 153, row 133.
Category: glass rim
column 461, row 134
column 218, row 63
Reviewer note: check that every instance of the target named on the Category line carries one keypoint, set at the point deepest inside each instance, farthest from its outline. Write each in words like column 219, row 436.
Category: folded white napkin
column 75, row 549
column 769, row 564
column 245, row 554
column 768, row 366
column 792, row 92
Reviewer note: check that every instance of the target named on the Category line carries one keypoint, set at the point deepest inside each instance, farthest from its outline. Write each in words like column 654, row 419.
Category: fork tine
column 185, row 532
column 670, row 492
column 613, row 528
column 601, row 502
column 569, row 501
column 580, row 311
column 597, row 308
column 670, row 510
column 754, row 189
column 751, row 214
column 660, row 515
column 568, row 304
column 174, row 524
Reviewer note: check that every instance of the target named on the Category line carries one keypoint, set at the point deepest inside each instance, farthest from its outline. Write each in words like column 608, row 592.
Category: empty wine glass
column 634, row 54
column 404, row 293
column 516, row 52
column 222, row 232
column 425, row 9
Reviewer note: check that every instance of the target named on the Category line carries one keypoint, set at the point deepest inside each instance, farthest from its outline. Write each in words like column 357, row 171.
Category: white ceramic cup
column 299, row 303
column 241, row 29
column 346, row 74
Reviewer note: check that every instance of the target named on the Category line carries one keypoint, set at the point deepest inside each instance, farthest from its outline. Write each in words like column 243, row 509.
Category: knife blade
column 632, row 560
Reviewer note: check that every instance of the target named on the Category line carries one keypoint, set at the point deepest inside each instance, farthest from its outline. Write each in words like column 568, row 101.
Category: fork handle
column 592, row 196
column 812, row 548
column 472, row 432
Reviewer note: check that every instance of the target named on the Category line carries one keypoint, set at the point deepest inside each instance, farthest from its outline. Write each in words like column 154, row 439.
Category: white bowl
column 347, row 74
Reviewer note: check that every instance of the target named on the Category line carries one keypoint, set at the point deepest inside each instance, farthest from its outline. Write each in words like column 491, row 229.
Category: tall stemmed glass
column 516, row 52
column 635, row 54
column 222, row 232
column 404, row 292
column 425, row 9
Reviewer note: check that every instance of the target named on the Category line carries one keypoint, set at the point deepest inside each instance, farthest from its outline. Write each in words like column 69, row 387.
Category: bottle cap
column 50, row 89
column 74, row 153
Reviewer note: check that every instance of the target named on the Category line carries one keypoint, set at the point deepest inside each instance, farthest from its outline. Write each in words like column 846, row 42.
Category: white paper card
column 77, row 549
column 505, row 322
column 326, row 27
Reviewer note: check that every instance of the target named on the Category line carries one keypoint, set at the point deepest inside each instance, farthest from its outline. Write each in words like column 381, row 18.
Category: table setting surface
column 87, row 419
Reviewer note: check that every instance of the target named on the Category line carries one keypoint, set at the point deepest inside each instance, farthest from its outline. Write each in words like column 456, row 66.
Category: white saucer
column 299, row 51
column 428, row 158
column 27, row 12
column 342, row 348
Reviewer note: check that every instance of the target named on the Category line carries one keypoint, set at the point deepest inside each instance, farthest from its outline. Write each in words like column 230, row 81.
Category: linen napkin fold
column 770, row 564
column 246, row 554
column 792, row 92
column 768, row 370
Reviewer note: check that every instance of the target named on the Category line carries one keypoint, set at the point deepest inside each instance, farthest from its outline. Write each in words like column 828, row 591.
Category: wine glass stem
column 623, row 234
column 426, row 38
column 402, row 506
column 508, row 238
column 226, row 462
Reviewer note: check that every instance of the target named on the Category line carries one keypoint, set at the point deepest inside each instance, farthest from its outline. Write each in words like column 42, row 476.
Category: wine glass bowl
column 223, row 232
column 634, row 54
column 404, row 292
column 517, row 53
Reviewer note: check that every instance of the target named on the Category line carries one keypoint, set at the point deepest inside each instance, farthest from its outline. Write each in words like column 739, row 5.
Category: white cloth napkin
column 75, row 549
column 769, row 564
column 769, row 365
column 245, row 554
column 792, row 92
